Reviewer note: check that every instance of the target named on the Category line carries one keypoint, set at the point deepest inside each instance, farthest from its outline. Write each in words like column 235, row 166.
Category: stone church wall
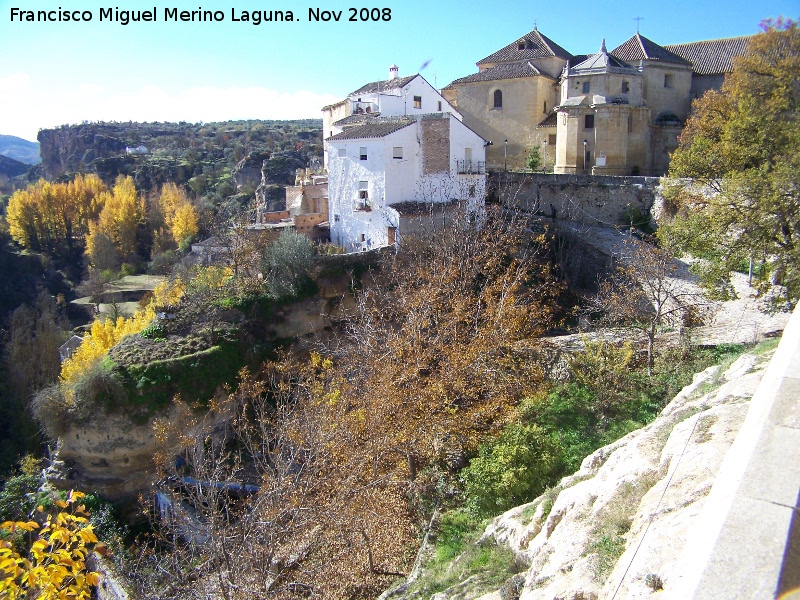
column 593, row 200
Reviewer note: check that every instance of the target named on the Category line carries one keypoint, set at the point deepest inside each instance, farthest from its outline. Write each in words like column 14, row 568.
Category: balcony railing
column 471, row 167
column 362, row 205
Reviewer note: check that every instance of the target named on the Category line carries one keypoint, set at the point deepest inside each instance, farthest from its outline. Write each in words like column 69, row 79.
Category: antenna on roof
column 637, row 19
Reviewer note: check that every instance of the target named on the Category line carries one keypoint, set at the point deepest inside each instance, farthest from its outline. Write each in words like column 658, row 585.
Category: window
column 440, row 106
column 625, row 87
column 551, row 139
column 342, row 152
column 362, row 152
column 397, row 152
column 498, row 99
column 586, row 87
column 417, row 101
column 521, row 46
column 363, row 237
column 362, row 203
column 588, row 122
column 544, row 107
column 668, row 80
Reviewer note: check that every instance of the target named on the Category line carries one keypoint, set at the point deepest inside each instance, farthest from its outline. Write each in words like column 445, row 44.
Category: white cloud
column 31, row 105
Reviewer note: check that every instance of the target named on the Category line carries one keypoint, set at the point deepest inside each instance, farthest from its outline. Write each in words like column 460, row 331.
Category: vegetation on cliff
column 219, row 163
column 743, row 142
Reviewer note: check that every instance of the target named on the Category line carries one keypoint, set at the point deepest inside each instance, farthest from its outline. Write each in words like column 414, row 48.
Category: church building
column 609, row 113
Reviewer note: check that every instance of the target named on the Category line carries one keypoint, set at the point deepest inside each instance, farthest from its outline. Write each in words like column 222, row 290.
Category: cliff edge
column 636, row 498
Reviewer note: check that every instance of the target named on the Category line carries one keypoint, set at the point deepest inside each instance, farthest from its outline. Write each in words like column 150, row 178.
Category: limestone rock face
column 71, row 149
column 622, row 520
column 112, row 456
column 247, row 172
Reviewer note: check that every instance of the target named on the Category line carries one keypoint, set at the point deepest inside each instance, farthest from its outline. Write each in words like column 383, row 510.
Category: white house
column 428, row 158
column 394, row 97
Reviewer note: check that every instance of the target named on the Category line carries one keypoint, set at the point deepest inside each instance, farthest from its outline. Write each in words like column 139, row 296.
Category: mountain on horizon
column 11, row 167
column 20, row 149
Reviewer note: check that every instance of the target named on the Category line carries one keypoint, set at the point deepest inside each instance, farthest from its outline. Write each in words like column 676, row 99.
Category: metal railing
column 471, row 167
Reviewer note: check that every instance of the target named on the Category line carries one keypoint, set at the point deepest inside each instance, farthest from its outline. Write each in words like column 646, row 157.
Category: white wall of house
column 391, row 180
column 398, row 102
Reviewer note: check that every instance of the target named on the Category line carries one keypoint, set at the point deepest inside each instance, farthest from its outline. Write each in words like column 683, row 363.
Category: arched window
column 498, row 99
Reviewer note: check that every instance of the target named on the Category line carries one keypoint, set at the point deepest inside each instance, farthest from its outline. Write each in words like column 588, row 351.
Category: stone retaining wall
column 594, row 200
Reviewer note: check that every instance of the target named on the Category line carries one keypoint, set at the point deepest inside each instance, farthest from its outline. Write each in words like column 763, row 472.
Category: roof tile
column 375, row 128
column 639, row 47
column 534, row 45
column 382, row 86
column 712, row 57
column 501, row 71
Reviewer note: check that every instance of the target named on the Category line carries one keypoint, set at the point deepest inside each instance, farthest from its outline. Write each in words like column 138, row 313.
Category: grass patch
column 195, row 377
column 766, row 346
column 703, row 428
column 459, row 561
column 608, row 539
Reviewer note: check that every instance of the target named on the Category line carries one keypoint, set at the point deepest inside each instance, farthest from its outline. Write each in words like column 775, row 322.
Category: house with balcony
column 394, row 97
column 381, row 169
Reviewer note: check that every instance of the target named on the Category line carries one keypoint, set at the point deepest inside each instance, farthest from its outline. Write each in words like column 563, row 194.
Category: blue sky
column 57, row 73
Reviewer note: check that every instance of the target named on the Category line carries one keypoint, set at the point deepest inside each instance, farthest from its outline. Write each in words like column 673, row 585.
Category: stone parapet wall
column 590, row 199
column 747, row 543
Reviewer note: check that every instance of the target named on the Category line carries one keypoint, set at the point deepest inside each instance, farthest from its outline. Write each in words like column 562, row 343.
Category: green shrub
column 18, row 495
column 153, row 331
column 287, row 264
column 633, row 217
column 511, row 470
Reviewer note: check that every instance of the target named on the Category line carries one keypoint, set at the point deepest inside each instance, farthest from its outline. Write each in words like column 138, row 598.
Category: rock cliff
column 635, row 499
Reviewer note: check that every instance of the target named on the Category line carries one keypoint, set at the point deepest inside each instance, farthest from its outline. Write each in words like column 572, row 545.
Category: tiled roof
column 535, row 45
column 602, row 61
column 356, row 119
column 712, row 57
column 502, row 71
column 550, row 120
column 375, row 128
column 389, row 84
column 577, row 59
column 640, row 48
column 577, row 101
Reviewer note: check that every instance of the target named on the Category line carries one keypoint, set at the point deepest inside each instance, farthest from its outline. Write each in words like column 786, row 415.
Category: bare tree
column 646, row 292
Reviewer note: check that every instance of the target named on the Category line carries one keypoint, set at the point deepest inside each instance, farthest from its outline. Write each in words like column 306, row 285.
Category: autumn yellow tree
column 57, row 547
column 54, row 216
column 104, row 335
column 113, row 236
column 179, row 214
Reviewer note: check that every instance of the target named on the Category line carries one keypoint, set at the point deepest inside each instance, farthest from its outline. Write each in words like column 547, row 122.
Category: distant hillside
column 221, row 163
column 19, row 149
column 11, row 168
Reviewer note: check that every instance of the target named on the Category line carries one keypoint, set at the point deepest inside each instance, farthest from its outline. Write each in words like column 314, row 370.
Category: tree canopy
column 52, row 216
column 743, row 143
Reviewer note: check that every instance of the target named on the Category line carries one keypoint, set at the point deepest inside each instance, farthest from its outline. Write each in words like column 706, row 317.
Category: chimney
column 393, row 72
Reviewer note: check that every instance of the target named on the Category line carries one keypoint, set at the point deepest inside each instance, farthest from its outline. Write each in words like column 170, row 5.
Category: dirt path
column 740, row 321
